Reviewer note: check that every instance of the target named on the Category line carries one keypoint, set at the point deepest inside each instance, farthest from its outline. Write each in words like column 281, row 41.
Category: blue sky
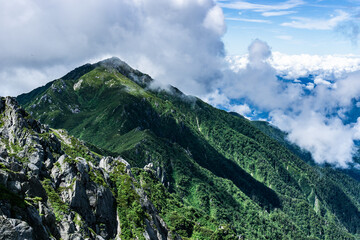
column 294, row 26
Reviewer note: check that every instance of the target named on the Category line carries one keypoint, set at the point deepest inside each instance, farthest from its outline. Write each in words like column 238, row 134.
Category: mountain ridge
column 213, row 161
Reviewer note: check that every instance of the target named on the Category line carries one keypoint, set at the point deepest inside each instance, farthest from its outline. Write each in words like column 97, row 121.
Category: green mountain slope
column 53, row 187
column 215, row 162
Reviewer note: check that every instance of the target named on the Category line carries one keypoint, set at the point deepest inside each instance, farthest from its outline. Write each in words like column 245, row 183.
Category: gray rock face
column 52, row 193
column 3, row 177
column 15, row 229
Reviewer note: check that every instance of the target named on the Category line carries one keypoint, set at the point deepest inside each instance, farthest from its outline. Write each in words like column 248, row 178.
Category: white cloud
column 27, row 78
column 249, row 20
column 277, row 13
column 313, row 119
column 319, row 80
column 315, row 123
column 258, row 82
column 318, row 24
column 285, row 37
column 310, row 86
column 176, row 41
column 328, row 140
column 216, row 98
column 243, row 5
column 242, row 109
column 219, row 99
column 302, row 65
column 214, row 20
column 328, row 66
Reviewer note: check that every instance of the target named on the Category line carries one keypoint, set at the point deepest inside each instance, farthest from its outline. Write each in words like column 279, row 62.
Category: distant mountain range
column 154, row 163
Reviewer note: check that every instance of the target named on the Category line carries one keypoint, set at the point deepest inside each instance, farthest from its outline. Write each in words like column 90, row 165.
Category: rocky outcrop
column 53, row 187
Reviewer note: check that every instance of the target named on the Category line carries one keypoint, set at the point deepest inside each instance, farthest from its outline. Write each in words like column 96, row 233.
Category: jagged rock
column 48, row 164
column 5, row 209
column 34, row 169
column 3, row 177
column 106, row 211
column 107, row 163
column 67, row 229
column 79, row 201
column 58, row 194
column 36, row 223
column 161, row 175
column 34, row 188
column 16, row 167
column 3, row 151
column 14, row 186
column 82, row 165
column 2, row 104
column 37, row 158
column 49, row 219
column 15, row 229
column 149, row 167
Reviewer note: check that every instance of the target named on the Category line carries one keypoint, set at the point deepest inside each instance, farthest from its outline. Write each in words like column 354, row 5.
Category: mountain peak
column 114, row 62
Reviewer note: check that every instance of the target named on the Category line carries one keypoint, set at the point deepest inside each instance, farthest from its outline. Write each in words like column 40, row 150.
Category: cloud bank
column 176, row 41
column 303, row 65
column 314, row 114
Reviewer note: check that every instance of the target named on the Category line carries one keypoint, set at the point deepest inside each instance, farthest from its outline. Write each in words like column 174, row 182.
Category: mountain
column 218, row 175
column 53, row 187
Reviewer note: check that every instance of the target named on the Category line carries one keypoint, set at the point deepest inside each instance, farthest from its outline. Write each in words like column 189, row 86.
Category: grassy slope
column 216, row 162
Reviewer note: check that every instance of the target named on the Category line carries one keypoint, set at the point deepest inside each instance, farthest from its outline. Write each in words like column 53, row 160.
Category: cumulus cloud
column 257, row 82
column 242, row 109
column 316, row 120
column 328, row 140
column 219, row 99
column 319, row 80
column 177, row 42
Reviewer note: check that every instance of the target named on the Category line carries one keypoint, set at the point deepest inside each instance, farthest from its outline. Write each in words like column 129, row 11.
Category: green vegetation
column 16, row 148
column 75, row 148
column 60, row 208
column 33, row 201
column 186, row 221
column 96, row 176
column 129, row 208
